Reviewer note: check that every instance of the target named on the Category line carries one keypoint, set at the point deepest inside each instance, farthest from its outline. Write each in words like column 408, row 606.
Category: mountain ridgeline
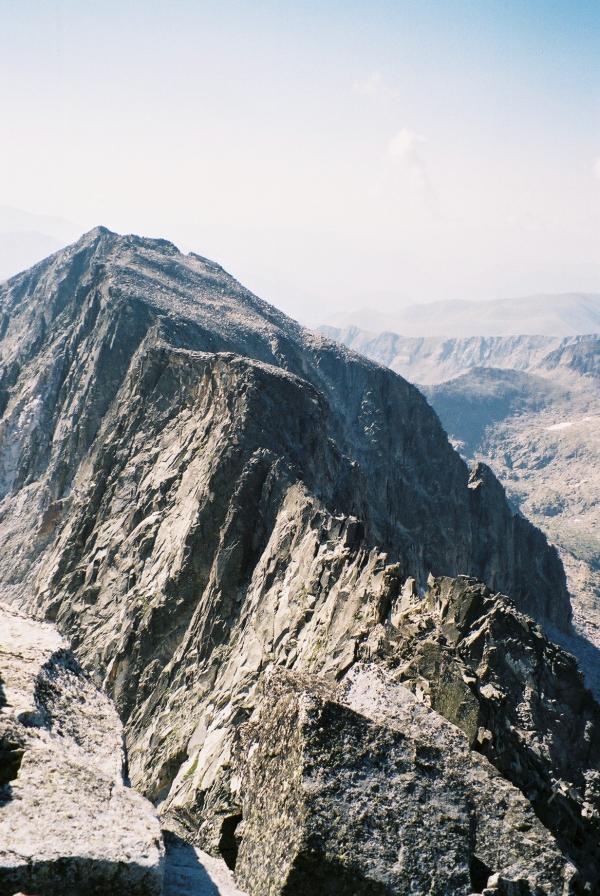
column 199, row 493
column 434, row 359
column 116, row 326
column 563, row 315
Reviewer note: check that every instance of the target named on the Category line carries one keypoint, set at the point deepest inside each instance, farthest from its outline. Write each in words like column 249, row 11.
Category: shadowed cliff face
column 529, row 407
column 194, row 487
column 74, row 332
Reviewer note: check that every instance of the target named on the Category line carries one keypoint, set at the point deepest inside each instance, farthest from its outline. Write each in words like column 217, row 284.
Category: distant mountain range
column 428, row 360
column 567, row 314
column 26, row 238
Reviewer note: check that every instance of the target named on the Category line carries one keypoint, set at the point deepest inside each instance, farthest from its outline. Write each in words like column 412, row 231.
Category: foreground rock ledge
column 68, row 824
column 363, row 791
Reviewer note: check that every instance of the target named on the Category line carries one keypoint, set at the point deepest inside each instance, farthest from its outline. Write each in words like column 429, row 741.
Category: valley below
column 530, row 408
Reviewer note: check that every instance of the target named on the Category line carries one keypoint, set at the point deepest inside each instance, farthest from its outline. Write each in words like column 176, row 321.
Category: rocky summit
column 325, row 636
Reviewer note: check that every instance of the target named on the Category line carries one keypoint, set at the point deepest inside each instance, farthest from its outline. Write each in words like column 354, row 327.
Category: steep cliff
column 194, row 488
column 79, row 332
column 529, row 407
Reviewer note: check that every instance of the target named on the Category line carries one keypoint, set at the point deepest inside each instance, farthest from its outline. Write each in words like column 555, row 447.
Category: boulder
column 520, row 699
column 68, row 823
column 361, row 790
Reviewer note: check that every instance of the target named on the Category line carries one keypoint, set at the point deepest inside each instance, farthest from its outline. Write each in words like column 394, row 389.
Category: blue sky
column 329, row 154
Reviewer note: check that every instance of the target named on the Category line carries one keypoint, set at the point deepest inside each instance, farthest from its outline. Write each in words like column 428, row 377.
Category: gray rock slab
column 68, row 823
column 363, row 791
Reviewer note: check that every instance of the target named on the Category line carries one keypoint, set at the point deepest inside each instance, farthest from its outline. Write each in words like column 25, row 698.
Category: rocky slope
column 460, row 734
column 196, row 489
column 95, row 334
column 541, row 435
column 370, row 768
column 485, row 667
column 530, row 408
column 68, row 823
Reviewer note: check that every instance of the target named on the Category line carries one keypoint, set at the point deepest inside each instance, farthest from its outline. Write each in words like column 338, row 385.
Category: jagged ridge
column 212, row 490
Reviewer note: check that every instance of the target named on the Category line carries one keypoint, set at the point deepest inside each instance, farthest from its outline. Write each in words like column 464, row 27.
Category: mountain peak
column 97, row 231
column 195, row 488
column 100, row 232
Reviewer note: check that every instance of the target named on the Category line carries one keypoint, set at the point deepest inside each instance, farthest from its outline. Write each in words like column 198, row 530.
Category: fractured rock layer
column 519, row 698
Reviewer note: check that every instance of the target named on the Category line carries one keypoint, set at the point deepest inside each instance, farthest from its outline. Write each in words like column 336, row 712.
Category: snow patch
column 568, row 423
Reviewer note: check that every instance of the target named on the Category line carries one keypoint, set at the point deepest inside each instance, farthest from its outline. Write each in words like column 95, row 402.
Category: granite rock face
column 81, row 335
column 363, row 790
column 529, row 407
column 476, row 660
column 68, row 823
column 197, row 490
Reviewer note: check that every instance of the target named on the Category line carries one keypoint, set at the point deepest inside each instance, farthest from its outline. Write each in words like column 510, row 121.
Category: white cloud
column 376, row 87
column 404, row 147
column 370, row 86
column 596, row 168
column 406, row 159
